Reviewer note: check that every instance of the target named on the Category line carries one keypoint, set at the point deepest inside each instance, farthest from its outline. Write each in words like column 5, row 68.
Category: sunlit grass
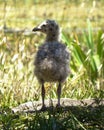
column 69, row 14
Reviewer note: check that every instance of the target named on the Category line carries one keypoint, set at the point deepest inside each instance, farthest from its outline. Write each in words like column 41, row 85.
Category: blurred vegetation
column 82, row 31
column 69, row 13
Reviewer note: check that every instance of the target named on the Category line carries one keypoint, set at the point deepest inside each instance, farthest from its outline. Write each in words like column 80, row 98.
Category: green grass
column 17, row 81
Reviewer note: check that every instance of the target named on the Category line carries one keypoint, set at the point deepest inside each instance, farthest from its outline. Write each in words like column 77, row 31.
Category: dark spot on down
column 52, row 24
column 50, row 29
column 45, row 30
column 53, row 35
column 57, row 27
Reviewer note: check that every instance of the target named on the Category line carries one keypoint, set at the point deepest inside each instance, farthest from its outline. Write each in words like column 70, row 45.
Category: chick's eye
column 44, row 25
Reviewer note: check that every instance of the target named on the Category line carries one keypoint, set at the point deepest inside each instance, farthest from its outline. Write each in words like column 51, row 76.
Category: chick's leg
column 43, row 96
column 59, row 93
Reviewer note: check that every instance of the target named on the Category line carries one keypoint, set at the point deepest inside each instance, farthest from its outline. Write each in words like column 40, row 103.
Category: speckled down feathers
column 52, row 62
column 52, row 58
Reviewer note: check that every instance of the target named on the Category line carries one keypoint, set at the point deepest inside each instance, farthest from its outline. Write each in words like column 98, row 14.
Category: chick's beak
column 36, row 29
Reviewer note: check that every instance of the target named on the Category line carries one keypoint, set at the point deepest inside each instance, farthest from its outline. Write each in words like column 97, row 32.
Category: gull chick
column 52, row 58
